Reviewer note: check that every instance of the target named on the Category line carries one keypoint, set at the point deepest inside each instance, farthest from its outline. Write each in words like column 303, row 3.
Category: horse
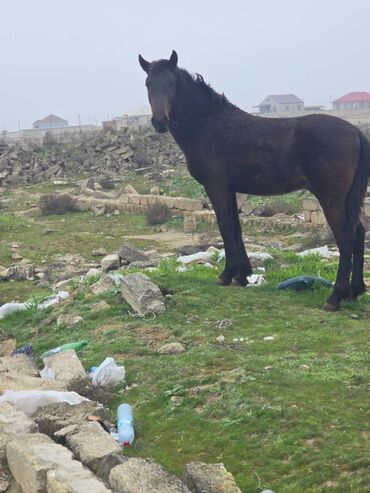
column 230, row 151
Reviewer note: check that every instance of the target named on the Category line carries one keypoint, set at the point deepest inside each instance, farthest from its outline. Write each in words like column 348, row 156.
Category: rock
column 110, row 262
column 129, row 254
column 69, row 320
column 18, row 272
column 54, row 417
column 91, row 444
column 16, row 256
column 19, row 364
column 104, row 284
column 72, row 477
column 142, row 294
column 100, row 306
column 12, row 424
column 129, row 189
column 12, row 381
column 155, row 190
column 7, row 344
column 144, row 476
column 209, row 478
column 172, row 348
column 92, row 273
column 190, row 224
column 100, row 252
column 30, row 457
column 66, row 367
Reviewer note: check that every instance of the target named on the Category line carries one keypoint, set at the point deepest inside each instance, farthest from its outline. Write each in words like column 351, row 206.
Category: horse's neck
column 190, row 111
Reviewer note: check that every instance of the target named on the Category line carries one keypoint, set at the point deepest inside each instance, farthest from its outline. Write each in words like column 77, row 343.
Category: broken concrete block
column 19, row 364
column 54, row 417
column 30, row 457
column 209, row 478
column 12, row 424
column 142, row 294
column 12, row 381
column 91, row 444
column 66, row 367
column 73, row 478
column 144, row 476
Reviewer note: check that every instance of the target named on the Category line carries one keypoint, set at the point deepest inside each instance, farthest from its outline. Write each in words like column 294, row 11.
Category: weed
column 55, row 203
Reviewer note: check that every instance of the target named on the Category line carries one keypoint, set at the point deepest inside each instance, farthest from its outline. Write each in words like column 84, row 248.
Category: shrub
column 54, row 203
column 157, row 214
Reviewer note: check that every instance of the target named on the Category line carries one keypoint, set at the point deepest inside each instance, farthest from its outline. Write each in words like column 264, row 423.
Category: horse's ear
column 144, row 64
column 173, row 59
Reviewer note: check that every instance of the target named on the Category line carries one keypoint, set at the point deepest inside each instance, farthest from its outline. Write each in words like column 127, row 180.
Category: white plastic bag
column 108, row 373
column 29, row 401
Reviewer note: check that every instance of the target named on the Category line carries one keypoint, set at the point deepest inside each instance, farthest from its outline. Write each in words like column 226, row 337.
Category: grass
column 288, row 414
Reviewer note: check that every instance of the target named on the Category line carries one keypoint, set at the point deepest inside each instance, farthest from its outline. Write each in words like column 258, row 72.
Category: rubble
column 211, row 478
column 142, row 294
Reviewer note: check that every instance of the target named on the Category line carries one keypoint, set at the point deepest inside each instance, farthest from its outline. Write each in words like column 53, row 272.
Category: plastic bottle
column 72, row 345
column 125, row 425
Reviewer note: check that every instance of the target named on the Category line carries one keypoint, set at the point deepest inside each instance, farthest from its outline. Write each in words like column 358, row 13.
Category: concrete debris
column 210, row 478
column 142, row 294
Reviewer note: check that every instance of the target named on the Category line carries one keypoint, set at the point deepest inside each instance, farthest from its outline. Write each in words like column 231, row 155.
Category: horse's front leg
column 237, row 265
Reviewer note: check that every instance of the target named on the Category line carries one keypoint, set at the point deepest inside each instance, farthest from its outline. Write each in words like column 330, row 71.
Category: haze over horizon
column 80, row 58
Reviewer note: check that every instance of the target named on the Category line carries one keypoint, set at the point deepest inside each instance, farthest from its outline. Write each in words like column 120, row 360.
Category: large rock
column 104, row 284
column 66, row 367
column 19, row 364
column 144, row 476
column 91, row 444
column 110, row 262
column 18, row 272
column 54, row 417
column 72, row 477
column 172, row 348
column 209, row 478
column 129, row 254
column 30, row 457
column 7, row 344
column 12, row 381
column 13, row 423
column 142, row 294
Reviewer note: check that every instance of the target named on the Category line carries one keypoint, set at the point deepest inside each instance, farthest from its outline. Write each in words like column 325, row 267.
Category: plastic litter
column 29, row 401
column 64, row 347
column 300, row 283
column 323, row 251
column 26, row 349
column 9, row 308
column 255, row 280
column 108, row 373
column 125, row 425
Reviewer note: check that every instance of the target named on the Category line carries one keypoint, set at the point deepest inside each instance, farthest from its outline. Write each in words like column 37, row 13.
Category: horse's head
column 161, row 85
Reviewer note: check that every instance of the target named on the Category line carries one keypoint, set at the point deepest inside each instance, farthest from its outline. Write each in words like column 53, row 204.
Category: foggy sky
column 79, row 57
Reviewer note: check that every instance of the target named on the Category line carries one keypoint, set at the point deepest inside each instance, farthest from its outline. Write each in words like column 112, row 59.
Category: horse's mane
column 219, row 100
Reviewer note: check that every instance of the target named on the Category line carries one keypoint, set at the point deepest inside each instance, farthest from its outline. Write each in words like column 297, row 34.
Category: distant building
column 139, row 118
column 281, row 103
column 352, row 101
column 51, row 121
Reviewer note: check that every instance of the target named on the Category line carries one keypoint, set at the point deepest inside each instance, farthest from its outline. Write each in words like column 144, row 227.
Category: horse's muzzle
column 161, row 126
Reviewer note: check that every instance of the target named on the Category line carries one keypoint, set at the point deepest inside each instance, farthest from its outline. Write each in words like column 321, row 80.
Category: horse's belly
column 268, row 183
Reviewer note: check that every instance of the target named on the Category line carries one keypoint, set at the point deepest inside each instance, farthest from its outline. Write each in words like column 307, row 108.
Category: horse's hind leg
column 357, row 282
column 344, row 235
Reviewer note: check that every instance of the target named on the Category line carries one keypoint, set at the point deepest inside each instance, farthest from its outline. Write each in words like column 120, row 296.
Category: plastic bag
column 108, row 373
column 29, row 401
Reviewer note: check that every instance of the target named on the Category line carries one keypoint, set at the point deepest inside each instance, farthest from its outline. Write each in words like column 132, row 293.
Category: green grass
column 288, row 414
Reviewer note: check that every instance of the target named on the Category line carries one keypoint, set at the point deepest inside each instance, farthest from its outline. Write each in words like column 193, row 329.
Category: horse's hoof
column 223, row 282
column 331, row 307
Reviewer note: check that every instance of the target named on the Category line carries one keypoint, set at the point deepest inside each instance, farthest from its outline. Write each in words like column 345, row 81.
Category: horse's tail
column 356, row 194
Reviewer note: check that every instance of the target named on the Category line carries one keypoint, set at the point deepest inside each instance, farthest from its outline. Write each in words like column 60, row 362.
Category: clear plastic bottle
column 125, row 425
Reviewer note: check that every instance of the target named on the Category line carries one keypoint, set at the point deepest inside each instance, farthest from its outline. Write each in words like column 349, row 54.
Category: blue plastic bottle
column 125, row 425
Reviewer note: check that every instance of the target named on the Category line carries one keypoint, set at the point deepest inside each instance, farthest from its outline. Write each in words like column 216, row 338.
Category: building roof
column 354, row 97
column 284, row 98
column 51, row 119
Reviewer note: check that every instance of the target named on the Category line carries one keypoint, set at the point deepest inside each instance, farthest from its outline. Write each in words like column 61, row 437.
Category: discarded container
column 303, row 282
column 64, row 347
column 9, row 308
column 27, row 349
column 125, row 425
column 108, row 373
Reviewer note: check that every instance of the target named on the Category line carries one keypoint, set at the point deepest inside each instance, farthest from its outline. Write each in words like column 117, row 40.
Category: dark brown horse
column 228, row 151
